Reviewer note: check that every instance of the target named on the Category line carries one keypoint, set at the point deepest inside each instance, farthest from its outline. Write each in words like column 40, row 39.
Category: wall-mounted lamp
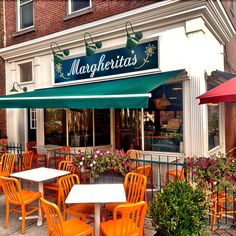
column 58, row 57
column 132, row 38
column 91, row 48
column 14, row 87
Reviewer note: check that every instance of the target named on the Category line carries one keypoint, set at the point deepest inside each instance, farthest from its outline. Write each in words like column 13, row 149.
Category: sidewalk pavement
column 14, row 228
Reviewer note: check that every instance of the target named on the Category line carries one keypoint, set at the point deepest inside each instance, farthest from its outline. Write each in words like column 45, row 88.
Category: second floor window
column 78, row 5
column 26, row 72
column 25, row 14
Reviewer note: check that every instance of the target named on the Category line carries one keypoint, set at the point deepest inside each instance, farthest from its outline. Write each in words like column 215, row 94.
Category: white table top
column 40, row 174
column 96, row 193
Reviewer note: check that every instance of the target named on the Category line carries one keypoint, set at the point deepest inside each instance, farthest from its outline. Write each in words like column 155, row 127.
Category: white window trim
column 84, row 10
column 18, row 17
column 18, row 71
column 33, row 118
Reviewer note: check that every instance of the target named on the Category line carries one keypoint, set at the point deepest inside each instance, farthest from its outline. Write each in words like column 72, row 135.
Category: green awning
column 131, row 92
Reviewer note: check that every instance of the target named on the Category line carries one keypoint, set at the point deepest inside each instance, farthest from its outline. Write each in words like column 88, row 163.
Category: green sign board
column 118, row 61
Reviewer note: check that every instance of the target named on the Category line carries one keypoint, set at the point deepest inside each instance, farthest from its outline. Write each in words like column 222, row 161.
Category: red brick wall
column 230, row 66
column 2, row 74
column 49, row 16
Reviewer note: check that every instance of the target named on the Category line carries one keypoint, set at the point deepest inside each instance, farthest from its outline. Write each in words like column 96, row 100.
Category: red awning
column 225, row 92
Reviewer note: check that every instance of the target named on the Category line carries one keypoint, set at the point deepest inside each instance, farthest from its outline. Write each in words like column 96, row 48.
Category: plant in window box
column 96, row 162
column 217, row 172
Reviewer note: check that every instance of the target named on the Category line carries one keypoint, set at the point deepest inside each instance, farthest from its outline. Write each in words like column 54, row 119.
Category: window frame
column 78, row 12
column 19, row 5
column 19, row 72
column 33, row 118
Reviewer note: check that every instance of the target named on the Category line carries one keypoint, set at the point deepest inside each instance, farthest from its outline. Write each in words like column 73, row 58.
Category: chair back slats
column 27, row 158
column 7, row 161
column 12, row 189
column 65, row 184
column 131, row 219
column 135, row 187
column 53, row 217
column 144, row 170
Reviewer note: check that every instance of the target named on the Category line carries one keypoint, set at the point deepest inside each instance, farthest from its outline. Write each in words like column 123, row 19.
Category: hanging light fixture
column 91, row 48
column 132, row 38
column 17, row 84
column 58, row 57
column 163, row 102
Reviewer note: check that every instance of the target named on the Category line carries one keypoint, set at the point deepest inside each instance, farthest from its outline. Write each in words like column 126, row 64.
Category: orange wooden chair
column 147, row 171
column 223, row 203
column 7, row 162
column 83, row 211
column 128, row 220
column 133, row 154
column 59, row 157
column 175, row 174
column 3, row 145
column 64, row 165
column 26, row 161
column 22, row 199
column 37, row 158
column 59, row 227
column 135, row 189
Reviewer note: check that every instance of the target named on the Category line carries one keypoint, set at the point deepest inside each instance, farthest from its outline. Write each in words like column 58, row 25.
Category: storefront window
column 128, row 129
column 80, row 125
column 213, row 126
column 102, row 126
column 163, row 120
column 55, row 126
column 78, row 128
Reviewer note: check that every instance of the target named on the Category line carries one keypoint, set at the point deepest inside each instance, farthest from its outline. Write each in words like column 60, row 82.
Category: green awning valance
column 131, row 92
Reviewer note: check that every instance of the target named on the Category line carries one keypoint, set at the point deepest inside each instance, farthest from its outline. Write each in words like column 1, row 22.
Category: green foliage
column 218, row 172
column 95, row 162
column 179, row 210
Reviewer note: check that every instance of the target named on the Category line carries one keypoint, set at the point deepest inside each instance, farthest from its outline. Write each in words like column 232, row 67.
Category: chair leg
column 213, row 221
column 23, row 219
column 7, row 215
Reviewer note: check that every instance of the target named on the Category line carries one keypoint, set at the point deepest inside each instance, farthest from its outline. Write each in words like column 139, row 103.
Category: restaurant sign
column 118, row 61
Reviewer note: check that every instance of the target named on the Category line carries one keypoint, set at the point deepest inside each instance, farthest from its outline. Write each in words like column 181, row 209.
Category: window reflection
column 80, row 127
column 163, row 120
column 55, row 126
column 213, row 126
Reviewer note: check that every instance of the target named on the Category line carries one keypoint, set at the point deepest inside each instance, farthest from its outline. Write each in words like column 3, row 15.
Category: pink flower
column 232, row 181
column 205, row 164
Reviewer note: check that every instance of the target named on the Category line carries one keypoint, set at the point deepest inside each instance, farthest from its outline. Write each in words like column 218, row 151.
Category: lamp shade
column 133, row 37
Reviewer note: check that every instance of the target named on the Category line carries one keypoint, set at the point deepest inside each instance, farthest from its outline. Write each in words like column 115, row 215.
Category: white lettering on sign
column 119, row 62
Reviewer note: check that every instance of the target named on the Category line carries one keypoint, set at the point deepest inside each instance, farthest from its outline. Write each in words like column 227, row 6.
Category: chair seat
column 108, row 228
column 75, row 227
column 51, row 186
column 112, row 206
column 85, row 209
column 29, row 196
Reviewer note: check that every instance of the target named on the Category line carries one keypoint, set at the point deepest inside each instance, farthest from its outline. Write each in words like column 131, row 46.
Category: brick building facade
column 53, row 21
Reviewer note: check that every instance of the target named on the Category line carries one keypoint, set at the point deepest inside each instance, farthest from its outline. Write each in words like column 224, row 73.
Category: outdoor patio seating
column 223, row 204
column 125, row 221
column 64, row 165
column 59, row 227
column 83, row 211
column 135, row 189
column 37, row 157
column 59, row 157
column 7, row 162
column 22, row 199
column 26, row 161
